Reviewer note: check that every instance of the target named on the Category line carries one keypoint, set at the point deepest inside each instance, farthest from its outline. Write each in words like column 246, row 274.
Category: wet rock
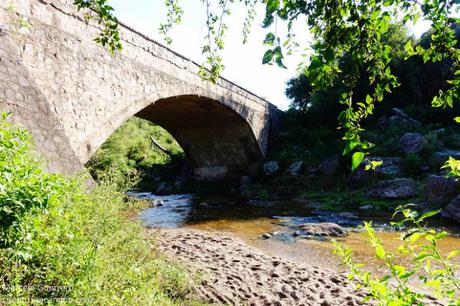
column 295, row 168
column 399, row 188
column 156, row 203
column 412, row 142
column 266, row 236
column 348, row 215
column 329, row 166
column 271, row 168
column 164, row 188
column 366, row 207
column 441, row 189
column 323, row 229
column 245, row 180
column 452, row 210
column 391, row 166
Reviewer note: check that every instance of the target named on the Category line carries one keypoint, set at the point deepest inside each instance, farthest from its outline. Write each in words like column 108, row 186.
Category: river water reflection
column 249, row 220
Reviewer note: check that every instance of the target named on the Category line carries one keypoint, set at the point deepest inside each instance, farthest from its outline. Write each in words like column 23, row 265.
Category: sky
column 243, row 63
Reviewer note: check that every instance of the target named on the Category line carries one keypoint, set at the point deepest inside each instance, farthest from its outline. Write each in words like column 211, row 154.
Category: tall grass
column 62, row 244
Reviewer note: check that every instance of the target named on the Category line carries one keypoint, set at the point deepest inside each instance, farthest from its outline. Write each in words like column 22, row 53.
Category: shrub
column 65, row 245
column 412, row 164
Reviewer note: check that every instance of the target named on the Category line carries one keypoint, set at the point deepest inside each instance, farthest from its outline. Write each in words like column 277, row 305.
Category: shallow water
column 249, row 220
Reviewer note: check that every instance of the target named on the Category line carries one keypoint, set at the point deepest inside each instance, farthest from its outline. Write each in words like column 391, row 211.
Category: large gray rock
column 329, row 166
column 412, row 142
column 391, row 166
column 271, row 168
column 401, row 119
column 453, row 209
column 441, row 189
column 399, row 188
column 295, row 168
column 322, row 229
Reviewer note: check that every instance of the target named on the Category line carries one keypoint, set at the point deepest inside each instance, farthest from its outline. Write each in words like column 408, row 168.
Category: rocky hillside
column 412, row 155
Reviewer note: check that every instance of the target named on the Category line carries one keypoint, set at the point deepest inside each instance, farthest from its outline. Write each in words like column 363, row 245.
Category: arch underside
column 218, row 141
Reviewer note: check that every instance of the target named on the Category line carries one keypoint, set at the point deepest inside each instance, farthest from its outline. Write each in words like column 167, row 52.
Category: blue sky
column 243, row 63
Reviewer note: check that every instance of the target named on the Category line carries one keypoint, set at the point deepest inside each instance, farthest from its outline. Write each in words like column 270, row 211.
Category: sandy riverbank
column 238, row 274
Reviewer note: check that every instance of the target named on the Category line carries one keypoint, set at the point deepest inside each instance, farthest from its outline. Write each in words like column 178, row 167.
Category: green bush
column 412, row 164
column 129, row 154
column 62, row 244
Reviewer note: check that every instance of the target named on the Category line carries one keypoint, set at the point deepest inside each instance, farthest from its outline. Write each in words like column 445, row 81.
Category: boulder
column 441, row 189
column 329, row 166
column 391, row 166
column 164, row 188
column 401, row 119
column 399, row 188
column 323, row 229
column 271, row 168
column 452, row 210
column 295, row 168
column 412, row 142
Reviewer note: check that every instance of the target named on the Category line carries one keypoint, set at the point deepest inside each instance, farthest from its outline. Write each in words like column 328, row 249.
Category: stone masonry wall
column 72, row 94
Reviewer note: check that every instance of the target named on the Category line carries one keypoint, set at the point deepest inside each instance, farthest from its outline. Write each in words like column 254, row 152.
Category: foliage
column 129, row 153
column 103, row 13
column 24, row 186
column 412, row 164
column 62, row 244
column 420, row 244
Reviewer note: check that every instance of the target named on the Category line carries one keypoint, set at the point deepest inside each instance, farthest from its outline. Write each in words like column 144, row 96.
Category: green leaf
column 380, row 251
column 457, row 119
column 269, row 39
column 268, row 56
column 349, row 146
column 268, row 20
column 430, row 214
column 356, row 160
column 453, row 254
column 272, row 6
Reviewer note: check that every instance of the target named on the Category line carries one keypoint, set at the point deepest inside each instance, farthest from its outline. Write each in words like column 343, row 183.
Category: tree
column 338, row 27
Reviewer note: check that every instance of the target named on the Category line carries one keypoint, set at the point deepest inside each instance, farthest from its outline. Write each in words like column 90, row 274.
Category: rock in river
column 399, row 188
column 323, row 229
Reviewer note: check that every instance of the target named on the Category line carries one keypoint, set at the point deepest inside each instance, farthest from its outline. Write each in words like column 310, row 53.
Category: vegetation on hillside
column 62, row 244
column 130, row 154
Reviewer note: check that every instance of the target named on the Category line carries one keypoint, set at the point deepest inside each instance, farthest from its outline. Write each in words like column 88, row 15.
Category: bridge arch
column 73, row 95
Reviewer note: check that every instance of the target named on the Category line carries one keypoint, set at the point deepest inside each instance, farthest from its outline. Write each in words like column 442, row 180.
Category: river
column 249, row 220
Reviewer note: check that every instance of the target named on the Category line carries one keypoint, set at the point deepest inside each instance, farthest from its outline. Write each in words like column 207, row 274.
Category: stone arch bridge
column 72, row 94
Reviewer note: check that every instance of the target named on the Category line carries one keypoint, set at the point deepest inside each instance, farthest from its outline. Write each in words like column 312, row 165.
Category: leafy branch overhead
column 354, row 28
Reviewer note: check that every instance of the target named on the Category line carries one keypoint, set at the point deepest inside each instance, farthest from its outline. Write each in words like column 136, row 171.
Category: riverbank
column 237, row 274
